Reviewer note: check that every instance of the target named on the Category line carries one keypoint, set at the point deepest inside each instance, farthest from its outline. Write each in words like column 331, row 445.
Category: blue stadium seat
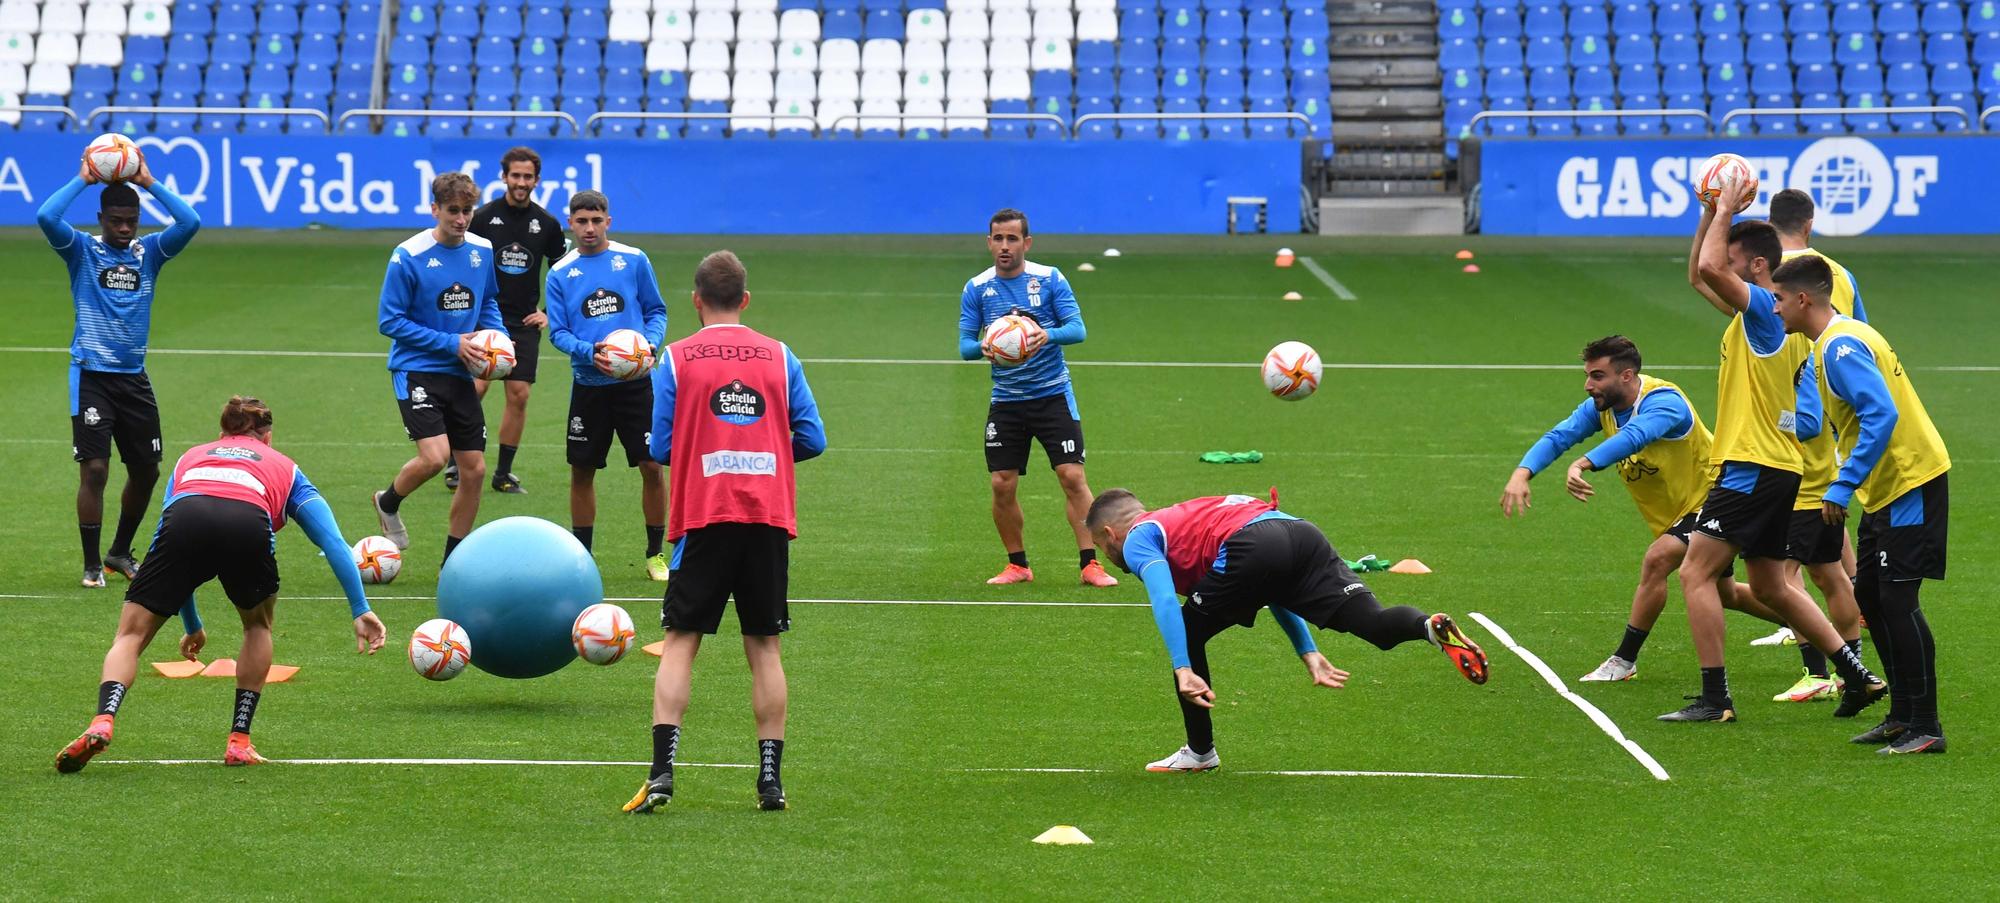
column 582, row 52
column 1589, row 50
column 1726, row 79
column 453, row 81
column 1506, row 84
column 1719, row 17
column 1223, row 24
column 491, row 126
column 1912, row 122
column 1138, row 52
column 1307, row 53
column 1546, row 51
column 1952, row 83
column 624, row 55
column 275, row 48
column 1549, row 82
column 418, row 19
column 494, row 51
column 1554, row 125
column 1772, row 79
column 496, row 80
column 1855, row 49
column 1222, row 54
column 236, row 18
column 1807, row 17
column 1007, row 129
column 311, row 86
column 451, row 50
column 1180, row 53
column 1638, row 80
column 1718, row 49
column 1499, row 53
column 885, row 24
column 1593, row 81
column 269, row 79
column 1589, row 19
column 501, row 21
column 1545, row 20
column 581, row 81
column 1945, row 47
column 188, row 48
column 537, row 81
column 192, row 18
column 408, row 80
column 587, row 23
column 1812, row 49
column 1779, row 124
column 838, row 24
column 1764, row 17
column 181, row 78
column 544, row 22
column 1853, row 17
column 1501, row 21
column 1940, row 16
column 1139, row 129
column 1138, row 23
column 356, row 49
column 1985, row 48
column 1181, row 23
column 278, row 18
column 1634, row 49
column 1767, row 47
column 1096, row 55
column 459, row 19
column 1459, row 84
column 1236, row 6
column 1632, row 18
column 1989, row 85
column 1896, row 16
column 318, row 49
column 1052, row 83
column 666, row 86
column 537, row 51
column 1269, row 22
column 145, row 51
column 1675, row 17
column 1680, row 48
column 1223, row 85
column 409, row 50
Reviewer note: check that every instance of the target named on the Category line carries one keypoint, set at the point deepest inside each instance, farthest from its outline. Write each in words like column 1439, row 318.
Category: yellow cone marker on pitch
column 1294, row 296
column 1409, row 566
column 1285, row 257
column 1472, row 268
column 1062, row 835
column 1464, row 254
column 1086, row 267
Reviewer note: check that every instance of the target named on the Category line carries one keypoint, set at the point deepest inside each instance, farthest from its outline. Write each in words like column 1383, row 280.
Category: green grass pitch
column 896, row 707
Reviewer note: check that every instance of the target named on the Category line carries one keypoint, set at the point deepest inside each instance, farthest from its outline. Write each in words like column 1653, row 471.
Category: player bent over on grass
column 1660, row 447
column 224, row 502
column 1232, row 555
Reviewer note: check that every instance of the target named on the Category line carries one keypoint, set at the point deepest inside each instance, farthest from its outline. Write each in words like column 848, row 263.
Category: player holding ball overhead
column 1032, row 398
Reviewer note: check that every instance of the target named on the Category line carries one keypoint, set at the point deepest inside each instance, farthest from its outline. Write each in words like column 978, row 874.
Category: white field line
column 562, row 762
column 1319, row 773
column 1603, row 722
column 973, row 603
column 1339, row 291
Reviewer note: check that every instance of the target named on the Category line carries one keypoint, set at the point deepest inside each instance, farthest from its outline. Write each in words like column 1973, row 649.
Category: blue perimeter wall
column 1877, row 186
column 777, row 187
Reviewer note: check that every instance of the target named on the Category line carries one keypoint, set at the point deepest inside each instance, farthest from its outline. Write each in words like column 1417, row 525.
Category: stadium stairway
column 1388, row 170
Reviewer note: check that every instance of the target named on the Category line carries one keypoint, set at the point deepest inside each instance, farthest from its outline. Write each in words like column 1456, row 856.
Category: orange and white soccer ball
column 1292, row 370
column 378, row 559
column 113, row 157
column 631, row 355
column 439, row 649
column 602, row 634
column 1009, row 338
column 1720, row 170
column 499, row 354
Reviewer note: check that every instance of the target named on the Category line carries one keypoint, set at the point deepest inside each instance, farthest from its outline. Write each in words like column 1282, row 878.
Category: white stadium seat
column 923, row 84
column 708, row 84
column 793, row 84
column 1097, row 25
column 1009, row 84
column 925, row 25
column 147, row 19
column 666, row 55
column 1039, row 5
column 714, row 26
column 882, row 55
column 830, row 111
column 796, row 106
column 965, row 85
column 721, row 6
column 13, row 78
column 56, row 48
column 1011, row 24
column 48, row 78
column 101, row 50
column 973, row 111
column 1082, row 5
column 879, row 86
column 17, row 47
column 956, row 5
column 673, row 25
column 1051, row 25
column 1045, row 55
column 798, row 25
column 708, row 55
column 838, row 85
column 965, row 55
column 968, row 24
column 798, row 56
column 886, row 112
column 62, row 17
column 629, row 25
column 8, row 101
column 104, row 17
column 757, row 25
column 752, row 84
column 758, row 55
column 640, row 6
column 750, row 115
column 839, row 54
column 1007, row 55
column 757, row 6
column 998, row 5
column 19, row 16
column 686, row 6
column 923, row 55
column 926, row 108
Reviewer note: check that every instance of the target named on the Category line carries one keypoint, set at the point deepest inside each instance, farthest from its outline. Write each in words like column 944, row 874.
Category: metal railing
column 1985, row 113
column 1591, row 114
column 460, row 114
column 900, row 118
column 43, row 108
column 219, row 111
column 811, row 123
column 1076, row 128
column 1753, row 112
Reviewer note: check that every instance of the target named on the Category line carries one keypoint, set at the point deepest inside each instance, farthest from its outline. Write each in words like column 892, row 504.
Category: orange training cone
column 1285, row 257
column 1409, row 566
column 1472, row 268
column 1464, row 254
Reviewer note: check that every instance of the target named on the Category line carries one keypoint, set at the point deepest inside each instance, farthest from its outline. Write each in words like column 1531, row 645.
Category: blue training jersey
column 1041, row 292
column 431, row 295
column 113, row 288
column 588, row 296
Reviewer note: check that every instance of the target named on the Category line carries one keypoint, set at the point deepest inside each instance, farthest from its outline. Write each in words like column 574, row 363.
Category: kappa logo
column 434, row 264
column 91, row 417
column 496, row 222
column 1713, row 524
column 617, row 262
column 573, row 273
column 1843, row 351
column 990, row 293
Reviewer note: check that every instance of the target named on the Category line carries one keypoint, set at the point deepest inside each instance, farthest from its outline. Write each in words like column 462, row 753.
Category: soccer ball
column 113, row 158
column 439, row 649
column 378, row 559
column 1009, row 337
column 602, row 634
column 499, row 354
column 1291, row 371
column 1720, row 170
column 630, row 353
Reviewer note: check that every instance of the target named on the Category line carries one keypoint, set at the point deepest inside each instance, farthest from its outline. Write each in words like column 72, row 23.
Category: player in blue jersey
column 598, row 287
column 440, row 288
column 1031, row 401
column 110, row 399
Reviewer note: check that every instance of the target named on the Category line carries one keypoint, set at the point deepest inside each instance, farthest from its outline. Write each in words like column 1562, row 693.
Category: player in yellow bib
column 1895, row 465
column 1748, row 510
column 1660, row 447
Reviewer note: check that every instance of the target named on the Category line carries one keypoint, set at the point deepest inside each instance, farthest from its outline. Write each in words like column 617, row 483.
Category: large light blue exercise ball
column 516, row 585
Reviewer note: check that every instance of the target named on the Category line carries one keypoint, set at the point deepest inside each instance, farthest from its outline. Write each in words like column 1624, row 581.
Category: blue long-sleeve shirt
column 1145, row 554
column 1656, row 416
column 309, row 509
column 431, row 295
column 588, row 296
column 1041, row 292
column 1852, row 375
column 808, row 431
column 113, row 287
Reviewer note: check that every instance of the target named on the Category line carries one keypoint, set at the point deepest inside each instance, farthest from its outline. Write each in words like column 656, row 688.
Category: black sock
column 110, row 695
column 121, row 540
column 1849, row 666
column 506, row 462
column 1020, row 558
column 1628, row 648
column 1085, row 556
column 583, row 535
column 1813, row 659
column 770, row 755
column 1715, row 684
column 90, row 534
column 246, row 709
column 1854, row 644
column 450, row 543
column 666, row 742
column 391, row 501
column 656, row 538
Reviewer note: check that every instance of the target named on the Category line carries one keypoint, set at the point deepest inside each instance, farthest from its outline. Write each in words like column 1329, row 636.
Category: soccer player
column 524, row 237
column 1230, row 556
column 731, row 414
column 599, row 287
column 1748, row 510
column 1032, row 400
column 1660, row 447
column 111, row 401
column 225, row 501
column 1895, row 466
column 439, row 290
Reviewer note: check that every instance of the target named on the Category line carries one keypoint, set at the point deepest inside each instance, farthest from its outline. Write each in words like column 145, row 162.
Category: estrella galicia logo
column 120, row 278
column 456, row 297
column 737, row 403
column 603, row 303
column 234, row 452
column 514, row 259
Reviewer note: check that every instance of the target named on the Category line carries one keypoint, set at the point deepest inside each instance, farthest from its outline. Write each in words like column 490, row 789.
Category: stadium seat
column 1501, row 20
column 1941, row 48
column 1896, row 16
column 1943, row 16
column 1807, row 17
column 1719, row 49
column 1680, row 48
column 1811, row 49
column 1767, row 48
column 1719, row 17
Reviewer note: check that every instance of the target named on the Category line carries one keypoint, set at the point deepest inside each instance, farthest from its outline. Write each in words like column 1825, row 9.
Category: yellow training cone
column 1062, row 835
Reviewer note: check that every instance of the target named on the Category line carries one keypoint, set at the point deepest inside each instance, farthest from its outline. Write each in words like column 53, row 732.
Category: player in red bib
column 1230, row 556
column 731, row 414
column 225, row 502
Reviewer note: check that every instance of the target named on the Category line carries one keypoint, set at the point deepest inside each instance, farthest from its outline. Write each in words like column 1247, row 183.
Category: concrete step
column 1406, row 130
column 1396, row 215
column 1382, row 12
column 1383, row 102
column 1383, row 72
column 1350, row 162
column 1349, row 41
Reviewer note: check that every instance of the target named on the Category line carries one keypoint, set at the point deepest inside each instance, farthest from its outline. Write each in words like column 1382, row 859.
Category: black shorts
column 114, row 408
column 1681, row 528
column 1812, row 540
column 1287, row 563
column 1750, row 507
column 202, row 538
column 1010, row 425
column 527, row 351
column 1905, row 540
column 749, row 561
column 442, row 404
column 598, row 412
